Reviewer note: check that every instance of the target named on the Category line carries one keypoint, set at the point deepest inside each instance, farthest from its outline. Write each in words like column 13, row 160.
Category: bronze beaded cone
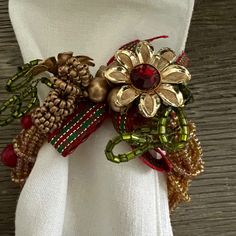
column 26, row 146
column 187, row 163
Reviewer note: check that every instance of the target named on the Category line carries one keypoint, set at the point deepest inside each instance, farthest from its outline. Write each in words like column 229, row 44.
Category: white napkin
column 85, row 194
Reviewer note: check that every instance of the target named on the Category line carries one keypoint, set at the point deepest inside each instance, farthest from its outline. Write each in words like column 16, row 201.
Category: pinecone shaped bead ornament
column 45, row 120
column 75, row 69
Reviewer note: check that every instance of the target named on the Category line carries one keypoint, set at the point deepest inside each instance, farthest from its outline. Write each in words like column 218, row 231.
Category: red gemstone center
column 145, row 77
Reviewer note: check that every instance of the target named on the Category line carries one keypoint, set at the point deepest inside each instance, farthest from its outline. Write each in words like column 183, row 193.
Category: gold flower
column 148, row 75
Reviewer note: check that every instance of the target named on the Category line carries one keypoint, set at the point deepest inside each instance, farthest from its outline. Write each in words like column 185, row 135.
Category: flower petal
column 126, row 58
column 175, row 74
column 149, row 104
column 156, row 60
column 167, row 56
column 170, row 95
column 144, row 52
column 117, row 74
column 126, row 95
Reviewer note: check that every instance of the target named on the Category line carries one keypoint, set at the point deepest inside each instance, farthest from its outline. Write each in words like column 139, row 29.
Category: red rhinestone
column 145, row 77
column 8, row 156
column 26, row 121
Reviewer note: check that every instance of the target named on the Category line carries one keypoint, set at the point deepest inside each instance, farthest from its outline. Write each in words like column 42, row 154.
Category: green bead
column 126, row 137
column 24, row 95
column 109, row 146
column 184, row 137
column 116, row 160
column 163, row 139
column 123, row 160
column 162, row 129
column 116, row 141
column 167, row 112
column 46, row 81
column 184, row 130
column 180, row 145
column 34, row 62
column 163, row 121
column 183, row 121
column 109, row 155
column 130, row 155
column 14, row 105
column 138, row 152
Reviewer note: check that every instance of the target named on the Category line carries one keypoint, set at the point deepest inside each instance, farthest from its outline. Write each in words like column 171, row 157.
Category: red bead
column 26, row 121
column 145, row 77
column 8, row 156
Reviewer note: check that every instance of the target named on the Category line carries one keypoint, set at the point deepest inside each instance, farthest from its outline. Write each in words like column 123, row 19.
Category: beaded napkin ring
column 142, row 91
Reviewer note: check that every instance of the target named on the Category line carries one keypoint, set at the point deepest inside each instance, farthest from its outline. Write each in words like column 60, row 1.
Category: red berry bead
column 26, row 121
column 8, row 156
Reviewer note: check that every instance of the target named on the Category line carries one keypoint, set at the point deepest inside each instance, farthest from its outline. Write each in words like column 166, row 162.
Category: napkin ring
column 142, row 91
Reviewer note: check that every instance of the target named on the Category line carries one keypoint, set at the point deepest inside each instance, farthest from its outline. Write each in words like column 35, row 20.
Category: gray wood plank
column 212, row 49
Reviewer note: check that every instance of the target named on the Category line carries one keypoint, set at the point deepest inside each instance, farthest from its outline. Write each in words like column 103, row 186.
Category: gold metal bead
column 112, row 97
column 98, row 89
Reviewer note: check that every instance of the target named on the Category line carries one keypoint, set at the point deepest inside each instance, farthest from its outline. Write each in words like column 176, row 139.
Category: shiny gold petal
column 126, row 58
column 126, row 95
column 167, row 56
column 170, row 95
column 175, row 74
column 144, row 52
column 155, row 60
column 117, row 74
column 149, row 104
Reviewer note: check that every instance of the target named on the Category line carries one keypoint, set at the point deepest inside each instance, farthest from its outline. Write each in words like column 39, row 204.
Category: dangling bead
column 8, row 156
column 26, row 121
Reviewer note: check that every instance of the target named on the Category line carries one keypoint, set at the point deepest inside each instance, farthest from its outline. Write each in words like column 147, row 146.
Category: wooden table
column 212, row 48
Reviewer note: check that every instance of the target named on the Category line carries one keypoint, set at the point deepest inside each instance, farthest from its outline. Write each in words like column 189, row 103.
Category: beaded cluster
column 142, row 91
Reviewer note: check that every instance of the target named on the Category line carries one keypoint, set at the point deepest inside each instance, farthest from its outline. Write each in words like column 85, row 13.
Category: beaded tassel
column 26, row 146
column 187, row 163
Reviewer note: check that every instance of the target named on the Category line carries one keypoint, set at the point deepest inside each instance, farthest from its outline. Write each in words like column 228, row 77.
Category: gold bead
column 62, row 104
column 73, row 73
column 98, row 89
column 53, row 109
column 112, row 97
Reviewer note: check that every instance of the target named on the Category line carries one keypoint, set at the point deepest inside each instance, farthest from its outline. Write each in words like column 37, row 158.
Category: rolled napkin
column 84, row 194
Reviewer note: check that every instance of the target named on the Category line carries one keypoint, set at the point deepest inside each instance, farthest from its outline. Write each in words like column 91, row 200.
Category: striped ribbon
column 78, row 127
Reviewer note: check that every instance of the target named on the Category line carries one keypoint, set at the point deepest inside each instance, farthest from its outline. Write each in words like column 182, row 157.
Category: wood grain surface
column 212, row 48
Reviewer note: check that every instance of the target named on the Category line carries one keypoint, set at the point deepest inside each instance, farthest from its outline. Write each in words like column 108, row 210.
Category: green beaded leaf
column 25, row 87
column 23, row 77
column 29, row 100
column 173, row 129
column 12, row 105
column 140, row 143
